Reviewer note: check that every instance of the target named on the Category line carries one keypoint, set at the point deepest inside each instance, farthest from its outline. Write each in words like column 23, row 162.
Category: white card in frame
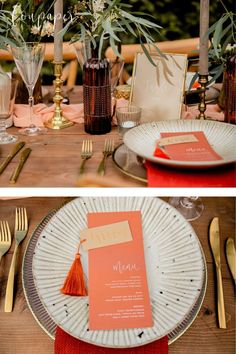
column 159, row 90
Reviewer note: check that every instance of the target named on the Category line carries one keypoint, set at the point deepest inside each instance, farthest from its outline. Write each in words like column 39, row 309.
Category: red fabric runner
column 161, row 176
column 66, row 344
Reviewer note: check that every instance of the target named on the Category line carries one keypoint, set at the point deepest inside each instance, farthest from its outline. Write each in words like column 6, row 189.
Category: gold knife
column 13, row 153
column 215, row 247
column 231, row 257
column 23, row 158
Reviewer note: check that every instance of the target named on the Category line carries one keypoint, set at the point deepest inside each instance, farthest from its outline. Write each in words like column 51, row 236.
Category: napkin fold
column 43, row 113
column 75, row 113
column 213, row 111
column 66, row 344
column 161, row 176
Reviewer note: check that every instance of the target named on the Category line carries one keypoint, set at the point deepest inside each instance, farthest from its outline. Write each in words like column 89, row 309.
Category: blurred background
column 179, row 19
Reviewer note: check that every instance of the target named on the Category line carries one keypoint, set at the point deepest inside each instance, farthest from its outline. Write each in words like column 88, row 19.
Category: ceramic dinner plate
column 221, row 136
column 175, row 264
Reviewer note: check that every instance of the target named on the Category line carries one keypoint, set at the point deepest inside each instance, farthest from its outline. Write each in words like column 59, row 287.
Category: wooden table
column 20, row 334
column 55, row 159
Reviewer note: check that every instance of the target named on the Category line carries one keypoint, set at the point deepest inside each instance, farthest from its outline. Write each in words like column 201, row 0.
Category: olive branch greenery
column 19, row 30
column 223, row 33
column 222, row 36
column 108, row 26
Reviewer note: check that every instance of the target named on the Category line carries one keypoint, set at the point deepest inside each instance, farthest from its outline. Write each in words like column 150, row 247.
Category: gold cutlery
column 14, row 151
column 109, row 146
column 23, row 158
column 231, row 257
column 215, row 247
column 5, row 238
column 21, row 228
column 86, row 153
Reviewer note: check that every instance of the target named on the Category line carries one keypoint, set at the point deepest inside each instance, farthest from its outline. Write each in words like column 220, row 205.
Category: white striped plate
column 221, row 136
column 176, row 269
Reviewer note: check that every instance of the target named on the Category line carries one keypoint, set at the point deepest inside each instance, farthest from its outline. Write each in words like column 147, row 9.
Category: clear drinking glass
column 29, row 59
column 7, row 100
column 190, row 207
column 128, row 117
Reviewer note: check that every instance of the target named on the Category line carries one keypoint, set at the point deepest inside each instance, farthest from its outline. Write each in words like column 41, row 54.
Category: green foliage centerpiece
column 98, row 24
column 222, row 60
column 26, row 21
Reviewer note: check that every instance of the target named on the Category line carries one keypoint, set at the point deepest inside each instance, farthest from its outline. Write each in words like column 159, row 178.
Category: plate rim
column 143, row 180
column 179, row 163
column 194, row 308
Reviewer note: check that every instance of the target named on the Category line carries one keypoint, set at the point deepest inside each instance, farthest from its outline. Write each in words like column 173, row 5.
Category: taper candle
column 204, row 38
column 58, row 23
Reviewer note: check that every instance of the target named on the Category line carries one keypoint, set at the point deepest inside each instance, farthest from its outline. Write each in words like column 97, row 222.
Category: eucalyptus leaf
column 140, row 20
column 146, row 52
column 217, row 36
column 223, row 34
column 107, row 26
column 114, row 48
column 129, row 28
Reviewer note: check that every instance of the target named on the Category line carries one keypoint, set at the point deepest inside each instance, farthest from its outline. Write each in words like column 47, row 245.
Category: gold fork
column 109, row 146
column 21, row 228
column 5, row 238
column 86, row 153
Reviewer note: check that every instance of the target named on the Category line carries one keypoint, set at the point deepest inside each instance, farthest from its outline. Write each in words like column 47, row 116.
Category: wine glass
column 190, row 207
column 7, row 100
column 29, row 60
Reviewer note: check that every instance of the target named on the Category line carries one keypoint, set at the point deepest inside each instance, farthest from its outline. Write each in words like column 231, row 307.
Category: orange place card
column 118, row 290
column 186, row 146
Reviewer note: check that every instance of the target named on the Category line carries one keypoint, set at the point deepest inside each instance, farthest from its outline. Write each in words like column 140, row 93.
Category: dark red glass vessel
column 97, row 96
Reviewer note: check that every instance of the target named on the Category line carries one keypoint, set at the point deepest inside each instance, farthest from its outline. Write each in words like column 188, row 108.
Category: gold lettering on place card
column 107, row 235
column 180, row 139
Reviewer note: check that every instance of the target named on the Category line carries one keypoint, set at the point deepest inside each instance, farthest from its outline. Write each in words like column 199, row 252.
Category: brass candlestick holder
column 58, row 121
column 203, row 80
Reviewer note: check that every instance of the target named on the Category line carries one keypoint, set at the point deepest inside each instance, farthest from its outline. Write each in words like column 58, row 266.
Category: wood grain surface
column 55, row 159
column 20, row 334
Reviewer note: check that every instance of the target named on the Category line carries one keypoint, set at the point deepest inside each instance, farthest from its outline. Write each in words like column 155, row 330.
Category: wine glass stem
column 3, row 127
column 31, row 105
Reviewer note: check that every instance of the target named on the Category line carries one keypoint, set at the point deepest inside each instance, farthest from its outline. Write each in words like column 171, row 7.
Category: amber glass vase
column 229, row 89
column 97, row 96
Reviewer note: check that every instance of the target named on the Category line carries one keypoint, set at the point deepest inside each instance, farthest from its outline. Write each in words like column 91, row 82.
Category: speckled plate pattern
column 176, row 271
column 221, row 136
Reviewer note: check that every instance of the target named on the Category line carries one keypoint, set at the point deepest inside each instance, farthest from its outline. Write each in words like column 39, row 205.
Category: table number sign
column 159, row 89
column 187, row 146
column 118, row 290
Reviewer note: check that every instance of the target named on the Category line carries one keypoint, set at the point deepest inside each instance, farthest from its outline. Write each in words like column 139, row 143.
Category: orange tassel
column 75, row 282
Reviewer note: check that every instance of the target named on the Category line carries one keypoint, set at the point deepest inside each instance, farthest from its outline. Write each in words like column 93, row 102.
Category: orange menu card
column 199, row 150
column 118, row 290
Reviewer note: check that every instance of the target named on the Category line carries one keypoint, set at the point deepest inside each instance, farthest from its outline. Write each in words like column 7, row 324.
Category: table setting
column 178, row 263
column 106, row 109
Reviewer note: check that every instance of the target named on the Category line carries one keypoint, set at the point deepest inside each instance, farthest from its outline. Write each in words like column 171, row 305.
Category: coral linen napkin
column 66, row 344
column 160, row 176
column 213, row 111
column 42, row 114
